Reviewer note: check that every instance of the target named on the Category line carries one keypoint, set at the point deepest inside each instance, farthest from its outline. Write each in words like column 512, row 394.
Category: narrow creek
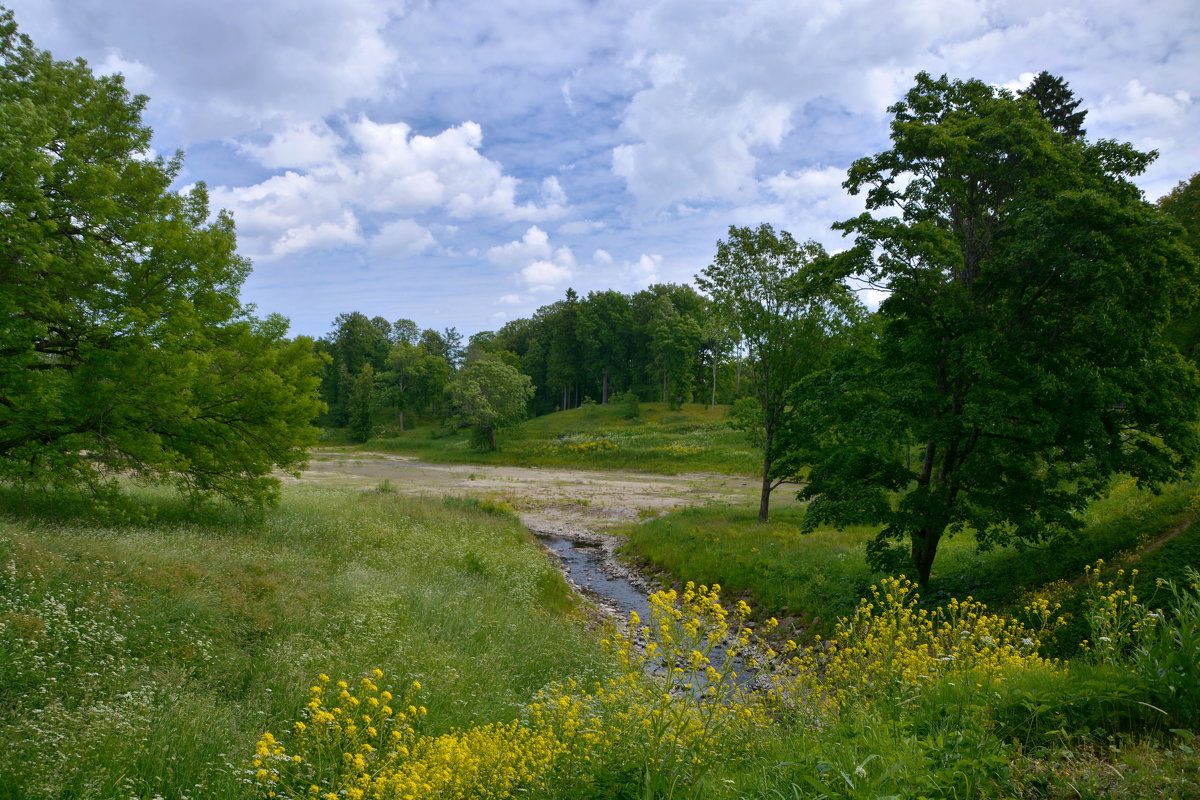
column 588, row 561
column 585, row 566
column 590, row 564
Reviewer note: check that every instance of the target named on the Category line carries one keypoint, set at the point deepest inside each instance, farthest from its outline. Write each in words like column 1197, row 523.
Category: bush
column 628, row 404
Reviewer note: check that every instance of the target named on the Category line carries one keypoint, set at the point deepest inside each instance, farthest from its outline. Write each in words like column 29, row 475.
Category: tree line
column 664, row 343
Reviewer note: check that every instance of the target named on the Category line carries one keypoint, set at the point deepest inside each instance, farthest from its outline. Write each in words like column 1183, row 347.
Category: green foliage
column 488, row 395
column 1056, row 103
column 1022, row 357
column 627, row 404
column 360, row 404
column 792, row 315
column 123, row 346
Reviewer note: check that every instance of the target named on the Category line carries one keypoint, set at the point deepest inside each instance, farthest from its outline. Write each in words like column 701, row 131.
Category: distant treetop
column 1057, row 103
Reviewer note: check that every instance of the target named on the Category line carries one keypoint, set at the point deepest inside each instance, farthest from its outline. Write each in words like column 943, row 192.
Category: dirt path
column 546, row 497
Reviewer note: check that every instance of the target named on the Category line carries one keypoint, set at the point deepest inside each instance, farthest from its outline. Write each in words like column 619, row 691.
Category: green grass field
column 811, row 580
column 148, row 645
column 692, row 438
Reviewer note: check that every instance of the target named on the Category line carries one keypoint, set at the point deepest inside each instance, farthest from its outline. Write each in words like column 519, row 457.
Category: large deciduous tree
column 123, row 347
column 1022, row 360
column 789, row 313
column 487, row 395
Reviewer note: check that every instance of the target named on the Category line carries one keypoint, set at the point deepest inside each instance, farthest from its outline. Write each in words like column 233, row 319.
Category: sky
column 463, row 163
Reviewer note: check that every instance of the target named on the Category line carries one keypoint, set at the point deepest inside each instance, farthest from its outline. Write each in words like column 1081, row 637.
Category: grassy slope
column 147, row 658
column 813, row 579
column 659, row 440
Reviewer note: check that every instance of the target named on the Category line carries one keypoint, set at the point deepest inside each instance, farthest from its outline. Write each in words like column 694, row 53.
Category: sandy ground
column 546, row 497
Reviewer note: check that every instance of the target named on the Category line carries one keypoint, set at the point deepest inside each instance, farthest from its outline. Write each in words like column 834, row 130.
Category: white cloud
column 1136, row 105
column 402, row 238
column 509, row 300
column 540, row 266
column 233, row 66
column 320, row 236
column 543, row 276
column 641, row 273
column 378, row 168
column 534, row 245
column 299, row 145
column 745, row 80
column 602, row 257
column 582, row 226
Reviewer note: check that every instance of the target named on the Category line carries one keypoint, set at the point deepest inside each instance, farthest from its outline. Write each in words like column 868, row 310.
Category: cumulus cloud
column 402, row 238
column 641, row 273
column 380, row 169
column 235, row 66
column 544, row 276
column 533, row 246
column 746, row 78
column 299, row 145
column 540, row 266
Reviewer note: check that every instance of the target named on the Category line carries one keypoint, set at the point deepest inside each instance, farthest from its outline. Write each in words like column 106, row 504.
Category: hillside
column 658, row 439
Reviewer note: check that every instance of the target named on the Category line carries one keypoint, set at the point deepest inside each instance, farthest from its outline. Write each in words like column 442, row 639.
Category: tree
column 1182, row 204
column 124, row 349
column 361, row 403
column 413, row 380
column 1056, row 103
column 674, row 341
column 602, row 328
column 356, row 340
column 789, row 313
column 488, row 395
column 1021, row 359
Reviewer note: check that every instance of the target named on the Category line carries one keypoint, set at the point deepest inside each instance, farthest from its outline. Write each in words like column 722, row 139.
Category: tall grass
column 144, row 659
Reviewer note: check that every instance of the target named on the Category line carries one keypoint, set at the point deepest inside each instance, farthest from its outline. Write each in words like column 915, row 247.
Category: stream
column 584, row 564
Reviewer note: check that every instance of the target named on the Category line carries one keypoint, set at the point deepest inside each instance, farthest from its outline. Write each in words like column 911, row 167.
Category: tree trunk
column 924, row 548
column 604, row 389
column 401, row 415
column 714, row 385
column 491, row 433
column 764, row 501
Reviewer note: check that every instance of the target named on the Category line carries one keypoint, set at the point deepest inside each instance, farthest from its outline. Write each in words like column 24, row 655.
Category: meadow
column 360, row 644
column 146, row 647
column 693, row 438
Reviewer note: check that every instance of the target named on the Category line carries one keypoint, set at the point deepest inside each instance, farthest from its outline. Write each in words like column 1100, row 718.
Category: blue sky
column 462, row 163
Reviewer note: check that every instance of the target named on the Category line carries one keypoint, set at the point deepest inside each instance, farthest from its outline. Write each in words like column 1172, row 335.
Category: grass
column 692, row 438
column 145, row 659
column 146, row 646
column 810, row 580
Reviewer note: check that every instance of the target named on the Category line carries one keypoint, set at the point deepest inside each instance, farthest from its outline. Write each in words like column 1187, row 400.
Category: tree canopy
column 124, row 349
column 772, row 291
column 1056, row 103
column 1021, row 358
column 487, row 395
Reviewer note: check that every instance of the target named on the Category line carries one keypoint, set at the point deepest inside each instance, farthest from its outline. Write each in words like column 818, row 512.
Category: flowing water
column 584, row 564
